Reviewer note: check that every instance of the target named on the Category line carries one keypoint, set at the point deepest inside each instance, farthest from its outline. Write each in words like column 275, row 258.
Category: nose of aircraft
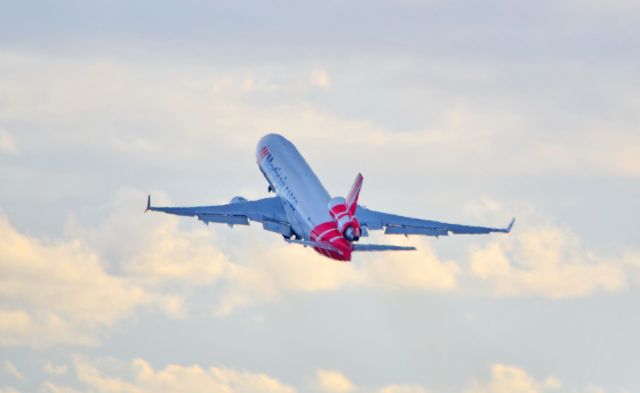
column 267, row 140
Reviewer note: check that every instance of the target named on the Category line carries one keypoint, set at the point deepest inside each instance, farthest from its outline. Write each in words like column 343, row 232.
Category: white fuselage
column 292, row 179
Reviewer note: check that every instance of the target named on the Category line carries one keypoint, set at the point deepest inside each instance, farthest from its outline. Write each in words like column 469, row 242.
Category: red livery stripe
column 328, row 233
column 263, row 153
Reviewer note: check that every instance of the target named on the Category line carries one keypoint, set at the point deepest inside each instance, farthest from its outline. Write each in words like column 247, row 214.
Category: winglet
column 513, row 220
column 148, row 204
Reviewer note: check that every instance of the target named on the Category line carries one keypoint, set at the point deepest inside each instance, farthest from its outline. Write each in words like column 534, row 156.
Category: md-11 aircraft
column 304, row 213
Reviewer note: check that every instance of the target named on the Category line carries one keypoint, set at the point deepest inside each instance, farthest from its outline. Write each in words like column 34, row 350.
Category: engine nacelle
column 238, row 199
column 348, row 225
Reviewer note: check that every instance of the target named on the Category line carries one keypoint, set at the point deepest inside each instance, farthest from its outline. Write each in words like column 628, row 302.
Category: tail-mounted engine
column 343, row 211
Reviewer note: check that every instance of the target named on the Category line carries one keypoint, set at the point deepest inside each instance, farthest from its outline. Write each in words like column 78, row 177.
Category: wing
column 268, row 211
column 394, row 224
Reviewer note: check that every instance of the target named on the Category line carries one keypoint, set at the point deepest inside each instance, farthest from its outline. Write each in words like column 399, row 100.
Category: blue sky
column 469, row 112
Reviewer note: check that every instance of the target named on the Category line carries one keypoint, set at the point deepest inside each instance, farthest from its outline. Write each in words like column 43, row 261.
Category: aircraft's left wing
column 394, row 224
column 268, row 211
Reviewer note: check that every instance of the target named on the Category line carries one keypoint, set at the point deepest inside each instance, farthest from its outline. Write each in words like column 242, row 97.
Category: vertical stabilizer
column 352, row 198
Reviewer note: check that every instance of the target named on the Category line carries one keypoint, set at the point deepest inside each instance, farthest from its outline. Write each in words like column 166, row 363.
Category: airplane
column 304, row 213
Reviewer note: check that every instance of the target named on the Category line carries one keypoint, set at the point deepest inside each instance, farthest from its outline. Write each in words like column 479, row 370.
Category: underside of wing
column 395, row 224
column 268, row 211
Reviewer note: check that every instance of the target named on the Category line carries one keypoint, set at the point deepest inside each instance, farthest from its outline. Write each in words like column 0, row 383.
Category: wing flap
column 398, row 225
column 223, row 219
column 410, row 230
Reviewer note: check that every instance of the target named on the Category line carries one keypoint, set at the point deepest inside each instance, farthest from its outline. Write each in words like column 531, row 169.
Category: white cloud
column 52, row 369
column 269, row 271
column 418, row 270
column 50, row 387
column 88, row 300
column 256, row 268
column 594, row 389
column 152, row 259
column 504, row 379
column 320, row 78
column 331, row 381
column 12, row 370
column 511, row 379
column 176, row 378
column 544, row 261
column 7, row 143
column 631, row 260
column 157, row 265
column 194, row 109
column 108, row 375
column 540, row 258
column 403, row 389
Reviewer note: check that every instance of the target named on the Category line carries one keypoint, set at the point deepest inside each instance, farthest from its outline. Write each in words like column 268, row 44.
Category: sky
column 460, row 111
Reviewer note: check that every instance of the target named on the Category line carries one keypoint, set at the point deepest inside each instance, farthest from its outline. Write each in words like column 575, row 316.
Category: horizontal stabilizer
column 380, row 247
column 313, row 244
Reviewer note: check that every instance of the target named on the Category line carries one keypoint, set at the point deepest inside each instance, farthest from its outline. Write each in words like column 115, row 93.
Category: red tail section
column 352, row 198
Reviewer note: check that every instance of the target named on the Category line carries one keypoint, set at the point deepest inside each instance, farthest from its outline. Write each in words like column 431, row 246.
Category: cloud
column 176, row 378
column 544, row 261
column 255, row 268
column 403, row 389
column 104, row 272
column 52, row 369
column 594, row 389
column 109, row 375
column 504, row 379
column 50, row 387
column 150, row 247
column 177, row 115
column 87, row 299
column 418, row 270
column 331, row 381
column 511, row 379
column 320, row 78
column 100, row 274
column 12, row 370
column 158, row 267
column 540, row 258
column 268, row 271
column 7, row 143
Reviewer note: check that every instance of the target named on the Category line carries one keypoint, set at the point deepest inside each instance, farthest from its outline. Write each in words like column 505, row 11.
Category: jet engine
column 237, row 199
column 348, row 224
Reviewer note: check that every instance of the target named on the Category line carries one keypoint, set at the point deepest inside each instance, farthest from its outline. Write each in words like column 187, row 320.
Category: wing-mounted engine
column 237, row 199
column 343, row 211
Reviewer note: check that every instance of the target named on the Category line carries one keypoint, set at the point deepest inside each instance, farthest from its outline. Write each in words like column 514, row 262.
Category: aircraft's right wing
column 268, row 211
column 394, row 224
